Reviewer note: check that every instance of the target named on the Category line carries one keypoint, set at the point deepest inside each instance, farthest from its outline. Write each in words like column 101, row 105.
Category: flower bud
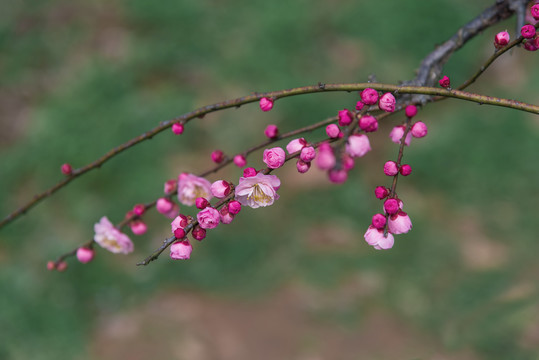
column 527, row 31
column 501, row 39
column 387, row 102
column 226, row 216
column 248, row 172
column 405, row 170
column 391, row 206
column 274, row 158
column 170, row 186
column 177, row 128
column 201, row 203
column 179, row 233
column 164, row 205
column 51, row 266
column 325, row 159
column 379, row 221
column 332, row 131
column 390, row 168
column 345, row 117
column 180, row 221
column 138, row 227
column 411, row 111
column 338, row 176
column 530, row 45
column 444, row 82
column 198, row 233
column 358, row 145
column 173, row 212
column 368, row 123
column 347, row 162
column 397, row 133
column 234, row 207
column 208, row 218
column 266, row 104
column 535, row 11
column 139, row 209
column 381, row 192
column 240, row 160
column 85, row 255
column 217, row 156
column 369, row 96
column 66, row 169
column 181, row 250
column 359, row 105
column 302, row 166
column 271, row 131
column 308, row 153
column 221, row 188
column 296, row 145
column 399, row 223
column 419, row 129
column 61, row 266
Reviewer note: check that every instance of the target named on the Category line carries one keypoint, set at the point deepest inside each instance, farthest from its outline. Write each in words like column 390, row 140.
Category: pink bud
column 51, row 266
column 248, row 172
column 180, row 222
column 221, row 188
column 378, row 239
column 66, row 169
column 390, row 168
column 217, row 156
column 368, row 123
column 530, row 45
column 527, row 31
column 535, row 11
column 302, row 166
column 271, row 131
column 325, row 159
column 381, row 192
column 379, row 221
column 226, row 216
column 387, row 102
column 170, row 186
column 138, row 227
column 405, row 170
column 85, row 255
column 274, row 158
column 358, row 145
column 411, row 111
column 345, row 117
column 139, row 209
column 240, row 160
column 332, row 131
column 397, row 133
column 198, row 233
column 61, row 266
column 173, row 212
column 164, row 205
column 399, row 223
column 296, row 145
column 337, row 176
column 201, row 203
column 419, row 129
column 234, row 207
column 444, row 82
column 501, row 39
column 369, row 96
column 391, row 206
column 208, row 218
column 308, row 153
column 181, row 250
column 179, row 233
column 347, row 162
column 266, row 104
column 177, row 128
column 359, row 105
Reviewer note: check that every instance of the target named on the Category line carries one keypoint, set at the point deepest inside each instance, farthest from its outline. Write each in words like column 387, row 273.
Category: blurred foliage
column 79, row 78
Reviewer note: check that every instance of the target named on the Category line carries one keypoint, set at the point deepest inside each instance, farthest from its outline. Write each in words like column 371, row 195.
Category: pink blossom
column 226, row 216
column 221, row 188
column 164, row 205
column 181, row 250
column 170, row 186
column 332, row 131
column 258, row 190
column 138, row 227
column 411, row 111
column 325, row 159
column 345, row 117
column 444, row 82
column 62, row 266
column 173, row 212
column 271, row 131
column 381, row 192
column 379, row 221
column 397, row 133
column 250, row 171
column 139, row 209
column 177, row 128
column 266, row 104
column 369, row 96
column 190, row 187
column 274, row 157
column 399, row 223
column 302, row 166
column 240, row 160
column 338, row 176
column 405, row 170
column 234, row 207
column 179, row 233
column 198, row 233
column 201, row 203
column 85, row 255
column 359, row 105
column 501, row 39
column 208, row 218
column 66, row 169
column 358, row 145
column 376, row 238
column 217, row 156
column 180, row 222
column 531, row 45
column 391, row 206
column 419, row 130
column 368, row 123
column 296, row 145
column 110, row 238
column 534, row 11
column 387, row 102
column 308, row 153
column 391, row 168
column 527, row 31
column 347, row 162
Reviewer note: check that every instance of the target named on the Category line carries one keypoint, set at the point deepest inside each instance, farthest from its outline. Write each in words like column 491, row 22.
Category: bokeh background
column 295, row 280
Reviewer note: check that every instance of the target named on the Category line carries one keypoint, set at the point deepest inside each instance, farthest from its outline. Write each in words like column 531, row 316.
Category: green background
column 295, row 280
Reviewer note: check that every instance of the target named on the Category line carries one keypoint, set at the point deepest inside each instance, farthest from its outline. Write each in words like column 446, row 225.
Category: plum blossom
column 376, row 238
column 181, row 250
column 399, row 223
column 274, row 157
column 358, row 145
column 258, row 190
column 110, row 238
column 190, row 187
column 208, row 218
